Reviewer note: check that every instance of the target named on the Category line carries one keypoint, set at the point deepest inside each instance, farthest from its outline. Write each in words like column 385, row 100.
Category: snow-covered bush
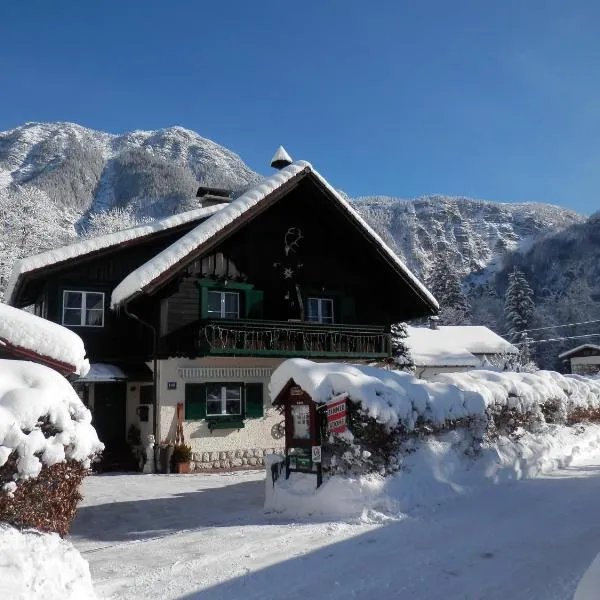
column 388, row 410
column 46, row 444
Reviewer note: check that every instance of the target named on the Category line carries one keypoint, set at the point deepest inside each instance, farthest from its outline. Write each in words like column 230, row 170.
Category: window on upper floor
column 83, row 309
column 224, row 305
column 320, row 310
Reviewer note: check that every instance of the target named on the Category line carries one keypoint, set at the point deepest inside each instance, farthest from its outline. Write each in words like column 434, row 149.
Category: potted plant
column 182, row 456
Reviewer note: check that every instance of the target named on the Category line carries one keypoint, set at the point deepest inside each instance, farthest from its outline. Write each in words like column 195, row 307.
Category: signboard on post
column 316, row 454
column 336, row 415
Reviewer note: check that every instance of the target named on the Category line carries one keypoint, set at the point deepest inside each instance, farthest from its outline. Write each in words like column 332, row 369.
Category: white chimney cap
column 281, row 158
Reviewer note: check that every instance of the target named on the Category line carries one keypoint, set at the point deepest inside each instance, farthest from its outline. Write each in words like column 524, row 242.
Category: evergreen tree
column 444, row 283
column 518, row 305
column 400, row 352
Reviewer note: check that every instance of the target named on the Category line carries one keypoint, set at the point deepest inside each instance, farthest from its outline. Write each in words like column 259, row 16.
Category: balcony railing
column 293, row 338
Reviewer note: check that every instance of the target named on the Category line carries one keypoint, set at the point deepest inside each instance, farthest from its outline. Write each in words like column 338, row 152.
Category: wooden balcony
column 281, row 338
column 228, row 337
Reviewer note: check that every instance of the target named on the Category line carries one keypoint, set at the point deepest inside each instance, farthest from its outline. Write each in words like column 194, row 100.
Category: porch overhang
column 105, row 372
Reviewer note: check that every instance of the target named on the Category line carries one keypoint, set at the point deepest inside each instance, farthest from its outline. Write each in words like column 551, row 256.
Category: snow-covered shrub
column 388, row 410
column 370, row 448
column 46, row 445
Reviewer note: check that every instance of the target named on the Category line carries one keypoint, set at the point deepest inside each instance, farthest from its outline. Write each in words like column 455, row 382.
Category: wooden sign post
column 302, row 431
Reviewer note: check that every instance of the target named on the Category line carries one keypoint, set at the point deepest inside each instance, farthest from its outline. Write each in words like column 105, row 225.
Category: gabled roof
column 454, row 345
column 160, row 268
column 27, row 336
column 97, row 244
column 578, row 349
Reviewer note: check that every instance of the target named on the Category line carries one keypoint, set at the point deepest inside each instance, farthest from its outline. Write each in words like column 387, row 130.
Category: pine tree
column 518, row 305
column 444, row 283
column 400, row 352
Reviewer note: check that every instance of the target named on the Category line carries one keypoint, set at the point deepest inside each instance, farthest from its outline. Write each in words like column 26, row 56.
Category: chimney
column 434, row 322
column 209, row 196
column 281, row 158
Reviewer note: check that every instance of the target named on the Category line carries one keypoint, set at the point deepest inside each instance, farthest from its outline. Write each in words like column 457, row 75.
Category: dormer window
column 83, row 309
column 320, row 310
column 223, row 305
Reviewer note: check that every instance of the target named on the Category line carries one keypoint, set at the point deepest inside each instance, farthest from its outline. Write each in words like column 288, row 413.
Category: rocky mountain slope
column 70, row 175
column 476, row 235
column 85, row 171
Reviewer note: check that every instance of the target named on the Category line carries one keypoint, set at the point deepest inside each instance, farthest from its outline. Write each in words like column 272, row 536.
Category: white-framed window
column 320, row 310
column 223, row 399
column 223, row 305
column 83, row 309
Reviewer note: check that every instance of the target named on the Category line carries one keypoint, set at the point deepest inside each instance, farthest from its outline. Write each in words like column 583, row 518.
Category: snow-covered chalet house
column 452, row 348
column 583, row 360
column 198, row 309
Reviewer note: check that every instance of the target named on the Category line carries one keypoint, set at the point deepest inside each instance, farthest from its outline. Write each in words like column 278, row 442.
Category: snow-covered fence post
column 149, row 453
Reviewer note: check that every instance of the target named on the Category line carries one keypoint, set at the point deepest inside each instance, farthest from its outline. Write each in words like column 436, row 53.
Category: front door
column 109, row 414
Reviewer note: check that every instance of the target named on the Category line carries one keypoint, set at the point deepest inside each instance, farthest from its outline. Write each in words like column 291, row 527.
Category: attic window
column 83, row 309
column 223, row 305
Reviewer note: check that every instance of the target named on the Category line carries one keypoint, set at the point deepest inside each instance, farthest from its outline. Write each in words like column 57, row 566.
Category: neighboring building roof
column 578, row 349
column 25, row 335
column 99, row 243
column 454, row 345
column 166, row 262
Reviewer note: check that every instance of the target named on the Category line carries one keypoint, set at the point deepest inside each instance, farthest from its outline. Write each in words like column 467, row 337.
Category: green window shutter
column 254, row 400
column 203, row 302
column 195, row 401
column 254, row 304
column 347, row 310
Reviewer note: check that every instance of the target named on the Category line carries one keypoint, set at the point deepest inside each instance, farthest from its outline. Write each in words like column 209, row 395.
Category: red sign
column 336, row 416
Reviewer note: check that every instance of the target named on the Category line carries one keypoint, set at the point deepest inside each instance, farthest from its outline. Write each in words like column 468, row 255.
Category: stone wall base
column 231, row 459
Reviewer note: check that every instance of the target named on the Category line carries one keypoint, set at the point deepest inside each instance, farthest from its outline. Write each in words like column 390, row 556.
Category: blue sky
column 496, row 100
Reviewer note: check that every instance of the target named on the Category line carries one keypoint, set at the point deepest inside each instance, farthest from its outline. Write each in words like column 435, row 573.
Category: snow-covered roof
column 144, row 275
column 579, row 348
column 42, row 340
column 101, row 242
column 454, row 345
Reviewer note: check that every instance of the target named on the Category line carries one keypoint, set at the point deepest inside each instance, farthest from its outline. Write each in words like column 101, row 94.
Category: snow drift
column 36, row 565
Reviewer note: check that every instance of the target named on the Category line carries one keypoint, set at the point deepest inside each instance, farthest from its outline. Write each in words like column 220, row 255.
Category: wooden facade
column 302, row 250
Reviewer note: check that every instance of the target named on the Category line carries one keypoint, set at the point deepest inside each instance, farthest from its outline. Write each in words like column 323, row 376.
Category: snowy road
column 206, row 538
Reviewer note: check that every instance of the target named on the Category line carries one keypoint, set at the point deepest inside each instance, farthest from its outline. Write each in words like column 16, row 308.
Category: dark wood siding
column 183, row 307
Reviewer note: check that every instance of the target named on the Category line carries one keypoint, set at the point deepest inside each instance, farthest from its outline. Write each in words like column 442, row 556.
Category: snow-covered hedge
column 394, row 398
column 47, row 442
column 42, row 420
column 387, row 409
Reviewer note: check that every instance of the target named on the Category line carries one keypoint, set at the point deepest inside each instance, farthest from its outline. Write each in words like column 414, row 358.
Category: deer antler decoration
column 292, row 239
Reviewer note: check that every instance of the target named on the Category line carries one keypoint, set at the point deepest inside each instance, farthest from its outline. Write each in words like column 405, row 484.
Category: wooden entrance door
column 109, row 414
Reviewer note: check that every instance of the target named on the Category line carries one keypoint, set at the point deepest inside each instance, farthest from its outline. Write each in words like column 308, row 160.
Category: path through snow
column 206, row 537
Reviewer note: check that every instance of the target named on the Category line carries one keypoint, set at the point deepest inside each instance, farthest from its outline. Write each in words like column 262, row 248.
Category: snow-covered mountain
column 86, row 171
column 70, row 174
column 476, row 235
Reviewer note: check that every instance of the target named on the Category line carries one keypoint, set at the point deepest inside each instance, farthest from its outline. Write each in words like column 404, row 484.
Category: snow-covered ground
column 207, row 537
